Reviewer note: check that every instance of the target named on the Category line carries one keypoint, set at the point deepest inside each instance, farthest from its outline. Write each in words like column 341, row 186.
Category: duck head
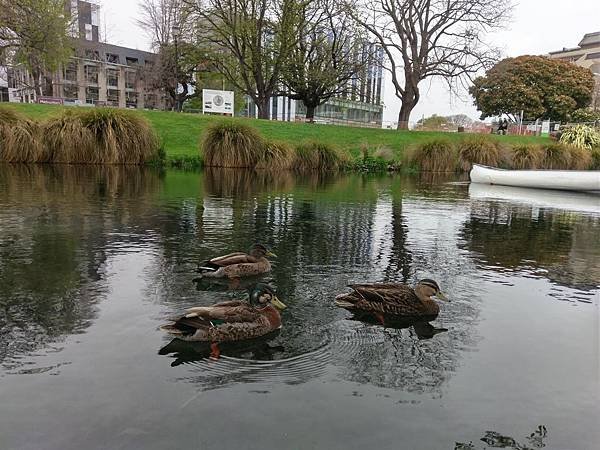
column 429, row 288
column 260, row 251
column 261, row 295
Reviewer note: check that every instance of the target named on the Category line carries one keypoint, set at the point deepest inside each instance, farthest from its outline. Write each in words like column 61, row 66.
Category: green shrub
column 229, row 143
column 318, row 155
column 581, row 136
column 526, row 156
column 276, row 156
column 478, row 150
column 555, row 156
column 437, row 155
column 121, row 137
column 19, row 138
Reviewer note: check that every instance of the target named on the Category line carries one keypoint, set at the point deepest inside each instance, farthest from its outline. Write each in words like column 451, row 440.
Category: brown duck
column 238, row 265
column 392, row 299
column 230, row 321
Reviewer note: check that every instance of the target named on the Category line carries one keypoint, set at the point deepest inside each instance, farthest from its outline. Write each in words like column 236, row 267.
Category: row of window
column 113, row 58
column 92, row 96
column 91, row 75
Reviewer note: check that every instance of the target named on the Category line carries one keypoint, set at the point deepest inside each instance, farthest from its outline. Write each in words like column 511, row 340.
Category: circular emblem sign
column 218, row 100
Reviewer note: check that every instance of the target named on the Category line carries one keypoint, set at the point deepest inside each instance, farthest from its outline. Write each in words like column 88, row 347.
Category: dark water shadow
column 493, row 439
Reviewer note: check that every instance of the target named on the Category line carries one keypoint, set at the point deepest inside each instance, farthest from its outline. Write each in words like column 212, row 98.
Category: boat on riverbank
column 566, row 180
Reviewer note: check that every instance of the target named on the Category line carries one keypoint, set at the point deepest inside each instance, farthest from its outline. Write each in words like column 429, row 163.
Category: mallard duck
column 230, row 321
column 237, row 265
column 392, row 299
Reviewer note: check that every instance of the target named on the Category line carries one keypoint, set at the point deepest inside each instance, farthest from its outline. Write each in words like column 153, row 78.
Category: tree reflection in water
column 57, row 226
column 493, row 439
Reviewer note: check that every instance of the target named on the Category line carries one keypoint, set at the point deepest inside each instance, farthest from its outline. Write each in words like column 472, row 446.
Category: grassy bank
column 180, row 134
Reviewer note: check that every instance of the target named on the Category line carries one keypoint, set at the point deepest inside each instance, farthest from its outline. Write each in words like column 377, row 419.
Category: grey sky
column 538, row 26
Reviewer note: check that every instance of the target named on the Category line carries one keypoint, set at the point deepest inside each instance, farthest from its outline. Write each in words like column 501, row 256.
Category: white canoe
column 567, row 180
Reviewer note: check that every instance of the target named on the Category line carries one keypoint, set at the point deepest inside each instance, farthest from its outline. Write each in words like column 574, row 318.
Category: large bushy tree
column 541, row 87
column 35, row 33
column 431, row 38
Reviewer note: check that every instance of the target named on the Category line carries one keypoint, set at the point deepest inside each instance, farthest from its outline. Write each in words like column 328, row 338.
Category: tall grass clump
column 231, row 144
column 67, row 141
column 19, row 138
column 318, row 155
column 555, row 156
column 436, row 155
column 478, row 150
column 581, row 158
column 595, row 153
column 121, row 137
column 526, row 156
column 275, row 156
column 581, row 136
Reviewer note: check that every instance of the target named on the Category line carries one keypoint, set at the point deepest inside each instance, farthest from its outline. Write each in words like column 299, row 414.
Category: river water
column 93, row 260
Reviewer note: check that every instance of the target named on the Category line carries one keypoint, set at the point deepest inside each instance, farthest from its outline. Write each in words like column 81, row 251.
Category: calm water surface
column 92, row 261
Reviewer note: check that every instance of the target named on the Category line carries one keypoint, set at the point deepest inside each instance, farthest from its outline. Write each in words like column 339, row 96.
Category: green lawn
column 180, row 133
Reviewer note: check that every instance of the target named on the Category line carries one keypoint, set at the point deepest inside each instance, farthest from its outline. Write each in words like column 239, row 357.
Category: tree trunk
column 310, row 113
column 263, row 108
column 409, row 101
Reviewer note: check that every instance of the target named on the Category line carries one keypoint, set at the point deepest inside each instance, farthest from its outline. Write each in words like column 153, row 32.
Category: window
column 112, row 97
column 131, row 61
column 88, row 32
column 131, row 99
column 92, row 54
column 112, row 77
column 70, row 91
column 130, row 78
column 112, row 58
column 91, row 95
column 91, row 74
column 71, row 72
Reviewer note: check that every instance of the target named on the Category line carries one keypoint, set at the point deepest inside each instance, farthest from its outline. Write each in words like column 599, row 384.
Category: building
column 586, row 54
column 97, row 73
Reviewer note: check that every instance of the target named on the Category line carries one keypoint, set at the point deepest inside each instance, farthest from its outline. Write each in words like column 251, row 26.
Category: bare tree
column 167, row 24
column 431, row 38
column 248, row 41
column 331, row 51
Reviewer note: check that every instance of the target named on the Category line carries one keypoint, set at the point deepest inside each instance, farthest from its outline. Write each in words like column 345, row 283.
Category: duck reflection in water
column 260, row 348
column 421, row 325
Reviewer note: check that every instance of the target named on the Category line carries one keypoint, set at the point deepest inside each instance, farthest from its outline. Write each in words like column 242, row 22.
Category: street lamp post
column 176, row 31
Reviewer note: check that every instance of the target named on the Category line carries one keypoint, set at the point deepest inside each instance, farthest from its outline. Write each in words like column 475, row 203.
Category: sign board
column 214, row 101
column 50, row 100
column 545, row 127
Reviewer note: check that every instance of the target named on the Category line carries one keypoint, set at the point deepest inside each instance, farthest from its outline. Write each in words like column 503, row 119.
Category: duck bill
column 441, row 296
column 271, row 254
column 278, row 304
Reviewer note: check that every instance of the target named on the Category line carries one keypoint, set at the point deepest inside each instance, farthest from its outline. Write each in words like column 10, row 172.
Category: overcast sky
column 538, row 26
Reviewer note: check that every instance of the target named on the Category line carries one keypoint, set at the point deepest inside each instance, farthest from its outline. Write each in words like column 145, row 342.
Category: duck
column 392, row 300
column 239, row 264
column 230, row 321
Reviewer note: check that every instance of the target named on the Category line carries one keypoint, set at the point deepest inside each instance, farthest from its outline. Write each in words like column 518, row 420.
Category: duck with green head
column 229, row 321
column 393, row 299
column 239, row 264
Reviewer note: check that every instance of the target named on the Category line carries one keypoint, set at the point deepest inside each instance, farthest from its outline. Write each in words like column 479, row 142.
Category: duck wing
column 384, row 292
column 232, row 258
column 230, row 312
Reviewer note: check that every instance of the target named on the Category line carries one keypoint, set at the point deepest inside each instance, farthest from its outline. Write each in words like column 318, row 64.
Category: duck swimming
column 392, row 299
column 237, row 265
column 230, row 321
